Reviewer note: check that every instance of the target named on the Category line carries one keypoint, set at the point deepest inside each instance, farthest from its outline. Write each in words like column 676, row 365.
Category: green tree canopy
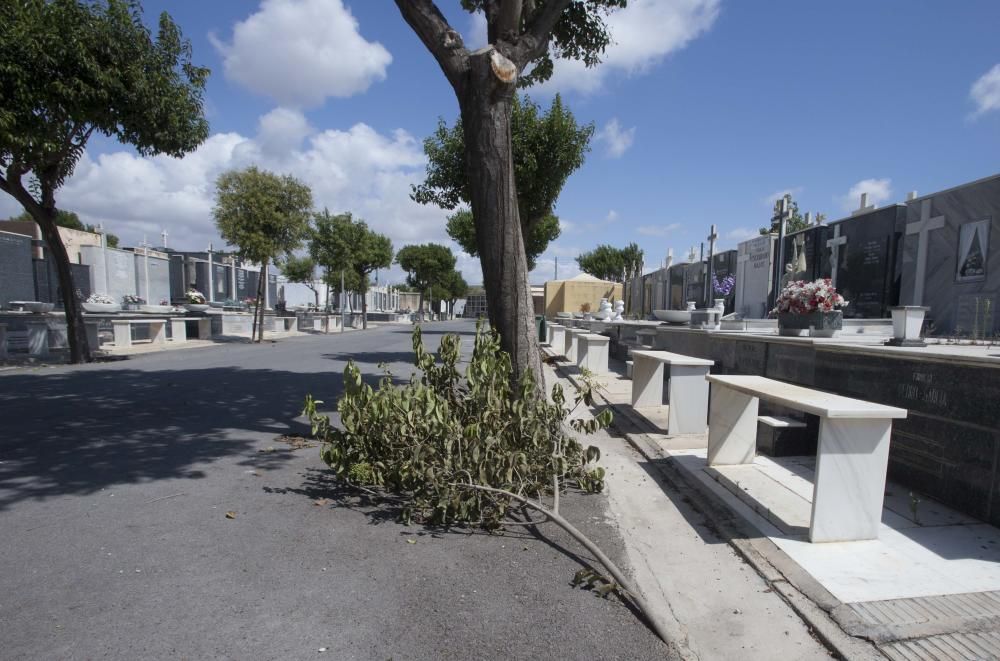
column 612, row 264
column 427, row 266
column 264, row 215
column 71, row 69
column 547, row 147
column 303, row 271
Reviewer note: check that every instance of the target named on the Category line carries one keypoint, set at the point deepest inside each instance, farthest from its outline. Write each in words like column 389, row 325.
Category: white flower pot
column 907, row 320
column 105, row 308
column 196, row 307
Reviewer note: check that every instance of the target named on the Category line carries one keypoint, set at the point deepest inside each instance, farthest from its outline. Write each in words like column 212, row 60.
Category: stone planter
column 105, row 308
column 156, row 309
column 907, row 321
column 813, row 324
column 196, row 307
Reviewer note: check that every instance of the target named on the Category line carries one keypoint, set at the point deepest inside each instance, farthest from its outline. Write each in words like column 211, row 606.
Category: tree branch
column 444, row 43
column 535, row 40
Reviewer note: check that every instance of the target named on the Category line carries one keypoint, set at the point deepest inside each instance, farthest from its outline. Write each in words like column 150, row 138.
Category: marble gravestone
column 863, row 256
column 754, row 269
column 221, row 280
column 112, row 271
column 675, row 287
column 244, row 288
column 17, row 276
column 159, row 278
column 694, row 284
column 951, row 258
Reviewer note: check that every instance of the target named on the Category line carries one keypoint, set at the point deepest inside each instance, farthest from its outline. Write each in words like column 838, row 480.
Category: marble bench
column 556, row 335
column 592, row 352
column 123, row 331
column 852, row 454
column 646, row 337
column 687, row 389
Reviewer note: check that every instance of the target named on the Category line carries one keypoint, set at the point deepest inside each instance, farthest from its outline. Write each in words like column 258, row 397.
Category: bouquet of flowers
column 194, row 297
column 132, row 299
column 724, row 286
column 103, row 299
column 164, row 301
column 801, row 297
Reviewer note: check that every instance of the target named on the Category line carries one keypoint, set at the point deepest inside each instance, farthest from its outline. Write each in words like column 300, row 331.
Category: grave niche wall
column 961, row 276
column 675, row 294
column 724, row 265
column 868, row 266
column 754, row 268
column 17, row 275
column 47, row 288
column 694, row 284
column 112, row 271
column 805, row 250
column 159, row 278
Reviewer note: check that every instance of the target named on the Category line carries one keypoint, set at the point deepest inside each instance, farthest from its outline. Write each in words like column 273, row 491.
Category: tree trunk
column 260, row 301
column 486, row 112
column 364, row 309
column 420, row 307
column 76, row 331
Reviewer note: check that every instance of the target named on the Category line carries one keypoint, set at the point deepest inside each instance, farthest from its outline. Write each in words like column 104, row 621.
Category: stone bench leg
column 93, row 337
column 123, row 334
column 3, row 341
column 158, row 332
column 593, row 356
column 849, row 485
column 558, row 339
column 647, row 383
column 571, row 344
column 204, row 329
column 732, row 427
column 178, row 330
column 688, row 397
column 38, row 339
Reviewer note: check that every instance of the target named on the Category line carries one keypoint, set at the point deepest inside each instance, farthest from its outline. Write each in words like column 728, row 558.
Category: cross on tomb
column 834, row 245
column 670, row 257
column 711, row 242
column 163, row 235
column 864, row 207
column 922, row 228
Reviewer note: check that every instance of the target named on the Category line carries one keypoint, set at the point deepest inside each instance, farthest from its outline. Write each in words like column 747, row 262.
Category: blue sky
column 706, row 111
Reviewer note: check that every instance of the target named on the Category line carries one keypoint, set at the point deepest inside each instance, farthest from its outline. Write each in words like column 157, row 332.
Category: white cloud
column 299, row 52
column 358, row 170
column 658, row 230
column 616, row 140
column 879, row 192
column 476, row 35
column 612, row 216
column 985, row 92
column 642, row 35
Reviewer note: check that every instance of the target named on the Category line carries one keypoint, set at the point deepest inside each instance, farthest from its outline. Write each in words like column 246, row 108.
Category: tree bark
column 485, row 103
column 76, row 330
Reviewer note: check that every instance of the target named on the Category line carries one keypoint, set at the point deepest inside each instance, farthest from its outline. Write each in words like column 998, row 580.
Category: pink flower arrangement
column 801, row 297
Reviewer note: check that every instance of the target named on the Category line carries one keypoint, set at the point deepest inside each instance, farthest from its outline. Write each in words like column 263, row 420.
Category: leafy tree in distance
column 71, row 69
column 339, row 242
column 265, row 216
column 794, row 224
column 452, row 287
column 548, row 147
column 613, row 264
column 303, row 271
column 428, row 266
column 523, row 37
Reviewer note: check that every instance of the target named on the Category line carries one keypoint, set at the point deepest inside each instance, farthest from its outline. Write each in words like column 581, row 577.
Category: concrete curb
column 810, row 600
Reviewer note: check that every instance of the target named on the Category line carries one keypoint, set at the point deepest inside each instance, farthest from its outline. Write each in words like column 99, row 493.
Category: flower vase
column 813, row 324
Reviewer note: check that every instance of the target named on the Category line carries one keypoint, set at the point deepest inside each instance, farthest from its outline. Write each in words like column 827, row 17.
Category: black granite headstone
column 17, row 279
column 868, row 270
column 675, row 295
column 806, row 252
column 694, row 284
column 723, row 266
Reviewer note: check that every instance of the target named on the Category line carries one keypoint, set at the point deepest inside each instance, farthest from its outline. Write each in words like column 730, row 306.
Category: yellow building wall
column 570, row 295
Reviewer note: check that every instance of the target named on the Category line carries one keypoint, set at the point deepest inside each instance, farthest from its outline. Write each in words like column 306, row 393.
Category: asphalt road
column 115, row 480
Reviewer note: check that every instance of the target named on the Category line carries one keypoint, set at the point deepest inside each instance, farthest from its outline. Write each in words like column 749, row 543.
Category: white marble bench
column 687, row 390
column 592, row 352
column 853, row 450
column 572, row 343
column 123, row 331
column 557, row 336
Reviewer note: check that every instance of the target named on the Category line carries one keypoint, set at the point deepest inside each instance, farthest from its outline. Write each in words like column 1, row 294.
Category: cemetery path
column 116, row 480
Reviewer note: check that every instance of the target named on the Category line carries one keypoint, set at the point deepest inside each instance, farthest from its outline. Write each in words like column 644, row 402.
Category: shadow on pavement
column 79, row 431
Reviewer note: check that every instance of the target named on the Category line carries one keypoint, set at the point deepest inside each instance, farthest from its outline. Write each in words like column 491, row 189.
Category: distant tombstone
column 805, row 252
column 753, row 276
column 862, row 252
column 675, row 288
column 724, row 266
column 243, row 286
column 17, row 278
column 221, row 281
column 950, row 257
column 694, row 283
column 112, row 271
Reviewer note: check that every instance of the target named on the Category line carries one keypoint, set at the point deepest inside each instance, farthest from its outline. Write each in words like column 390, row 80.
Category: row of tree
column 269, row 217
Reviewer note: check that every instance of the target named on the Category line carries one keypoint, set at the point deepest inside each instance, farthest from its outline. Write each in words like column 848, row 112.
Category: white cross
column 922, row 228
column 834, row 245
column 711, row 242
column 163, row 234
column 864, row 207
column 670, row 257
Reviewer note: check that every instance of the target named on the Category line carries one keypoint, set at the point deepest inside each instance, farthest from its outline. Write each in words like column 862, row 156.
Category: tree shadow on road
column 79, row 430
